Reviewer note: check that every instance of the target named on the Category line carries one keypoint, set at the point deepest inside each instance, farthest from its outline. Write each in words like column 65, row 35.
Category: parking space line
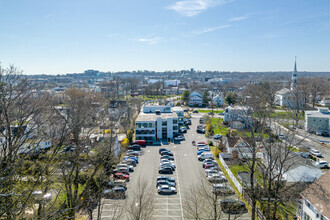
column 177, row 175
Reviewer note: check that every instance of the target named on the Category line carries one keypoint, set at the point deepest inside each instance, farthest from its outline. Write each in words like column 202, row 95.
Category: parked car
column 183, row 130
column 164, row 189
column 232, row 206
column 40, row 196
column 315, row 152
column 205, row 155
column 221, row 113
column 281, row 136
column 134, row 147
column 170, row 179
column 116, row 192
column 121, row 176
column 217, row 136
column 179, row 138
column 210, row 113
column 202, row 150
column 188, row 122
column 321, row 164
column 169, row 162
column 163, row 149
column 165, row 182
column 195, row 111
column 211, row 172
column 222, row 189
column 130, row 161
column 165, row 170
column 167, row 157
column 216, row 178
column 121, row 183
column 168, row 153
column 142, row 143
column 131, row 157
column 167, row 165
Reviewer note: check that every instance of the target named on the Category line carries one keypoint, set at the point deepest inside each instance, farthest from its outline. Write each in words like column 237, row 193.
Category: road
column 189, row 172
column 299, row 138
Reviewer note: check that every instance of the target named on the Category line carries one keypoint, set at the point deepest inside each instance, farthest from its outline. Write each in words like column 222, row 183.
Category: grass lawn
column 286, row 115
column 207, row 111
column 218, row 127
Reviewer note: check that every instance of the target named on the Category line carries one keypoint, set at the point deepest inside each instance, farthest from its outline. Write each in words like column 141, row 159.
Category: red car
column 208, row 166
column 121, row 176
column 202, row 142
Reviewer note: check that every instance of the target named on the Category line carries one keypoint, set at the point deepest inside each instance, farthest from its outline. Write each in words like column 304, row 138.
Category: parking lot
column 188, row 173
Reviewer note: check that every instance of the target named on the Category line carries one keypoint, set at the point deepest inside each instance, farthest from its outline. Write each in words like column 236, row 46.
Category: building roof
column 196, row 93
column 318, row 114
column 283, row 91
column 153, row 117
column 177, row 109
column 318, row 194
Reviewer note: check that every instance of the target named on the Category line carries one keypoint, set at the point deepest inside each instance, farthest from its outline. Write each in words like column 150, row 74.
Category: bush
column 125, row 143
column 210, row 143
column 216, row 152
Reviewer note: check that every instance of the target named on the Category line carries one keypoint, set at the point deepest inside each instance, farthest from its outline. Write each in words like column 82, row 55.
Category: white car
column 165, row 161
column 209, row 172
column 315, row 152
column 216, row 178
column 321, row 164
column 165, row 189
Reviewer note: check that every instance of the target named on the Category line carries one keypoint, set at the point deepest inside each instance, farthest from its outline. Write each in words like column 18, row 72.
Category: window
column 175, row 121
column 164, row 123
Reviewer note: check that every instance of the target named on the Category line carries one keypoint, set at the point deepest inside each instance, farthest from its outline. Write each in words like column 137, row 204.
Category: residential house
column 325, row 102
column 195, row 99
column 293, row 168
column 117, row 108
column 238, row 117
column 315, row 200
column 239, row 147
column 318, row 121
column 218, row 100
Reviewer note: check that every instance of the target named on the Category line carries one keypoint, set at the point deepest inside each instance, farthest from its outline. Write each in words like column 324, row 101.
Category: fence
column 231, row 175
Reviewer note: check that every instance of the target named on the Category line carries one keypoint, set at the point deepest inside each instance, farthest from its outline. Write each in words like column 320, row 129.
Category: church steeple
column 294, row 76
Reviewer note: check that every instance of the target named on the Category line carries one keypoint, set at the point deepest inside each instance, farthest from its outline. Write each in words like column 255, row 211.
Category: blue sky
column 68, row 36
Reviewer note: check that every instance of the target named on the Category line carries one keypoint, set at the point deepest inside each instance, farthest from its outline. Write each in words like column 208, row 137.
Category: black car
column 166, row 153
column 165, row 170
column 163, row 149
column 232, row 206
column 167, row 157
column 167, row 165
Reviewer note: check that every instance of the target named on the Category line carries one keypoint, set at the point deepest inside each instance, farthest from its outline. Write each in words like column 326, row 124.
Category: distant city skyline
column 59, row 37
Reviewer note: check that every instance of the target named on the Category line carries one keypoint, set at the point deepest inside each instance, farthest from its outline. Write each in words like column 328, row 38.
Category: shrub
column 216, row 152
column 125, row 143
column 210, row 143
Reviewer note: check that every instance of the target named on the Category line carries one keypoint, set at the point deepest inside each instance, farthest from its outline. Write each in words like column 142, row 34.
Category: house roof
column 195, row 93
column 318, row 194
column 283, row 91
column 234, row 141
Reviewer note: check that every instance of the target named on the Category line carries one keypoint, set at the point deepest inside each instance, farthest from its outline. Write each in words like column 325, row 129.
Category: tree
column 21, row 118
column 231, row 98
column 205, row 98
column 185, row 96
column 140, row 204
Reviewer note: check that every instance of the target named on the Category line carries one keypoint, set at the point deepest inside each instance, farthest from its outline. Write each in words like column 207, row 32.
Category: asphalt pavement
column 188, row 173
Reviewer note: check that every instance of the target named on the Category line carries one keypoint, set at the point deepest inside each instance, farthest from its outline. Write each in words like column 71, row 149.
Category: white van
column 205, row 155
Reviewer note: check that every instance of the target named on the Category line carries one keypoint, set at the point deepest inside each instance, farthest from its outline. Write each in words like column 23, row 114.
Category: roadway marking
column 177, row 176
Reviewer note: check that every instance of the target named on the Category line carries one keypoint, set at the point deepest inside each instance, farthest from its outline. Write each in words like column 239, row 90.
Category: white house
column 195, row 99
column 314, row 204
column 318, row 121
column 287, row 98
column 239, row 146
column 238, row 117
column 325, row 102
column 218, row 100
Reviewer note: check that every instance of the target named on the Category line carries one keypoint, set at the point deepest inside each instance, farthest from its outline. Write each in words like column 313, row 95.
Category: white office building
column 158, row 122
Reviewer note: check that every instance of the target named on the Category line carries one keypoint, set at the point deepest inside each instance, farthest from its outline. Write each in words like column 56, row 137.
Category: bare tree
column 140, row 204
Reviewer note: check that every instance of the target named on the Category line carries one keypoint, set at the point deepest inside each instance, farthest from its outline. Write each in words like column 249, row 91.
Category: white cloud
column 210, row 29
column 240, row 18
column 150, row 41
column 194, row 7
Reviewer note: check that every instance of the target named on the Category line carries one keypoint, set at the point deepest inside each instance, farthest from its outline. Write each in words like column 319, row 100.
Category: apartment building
column 318, row 121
